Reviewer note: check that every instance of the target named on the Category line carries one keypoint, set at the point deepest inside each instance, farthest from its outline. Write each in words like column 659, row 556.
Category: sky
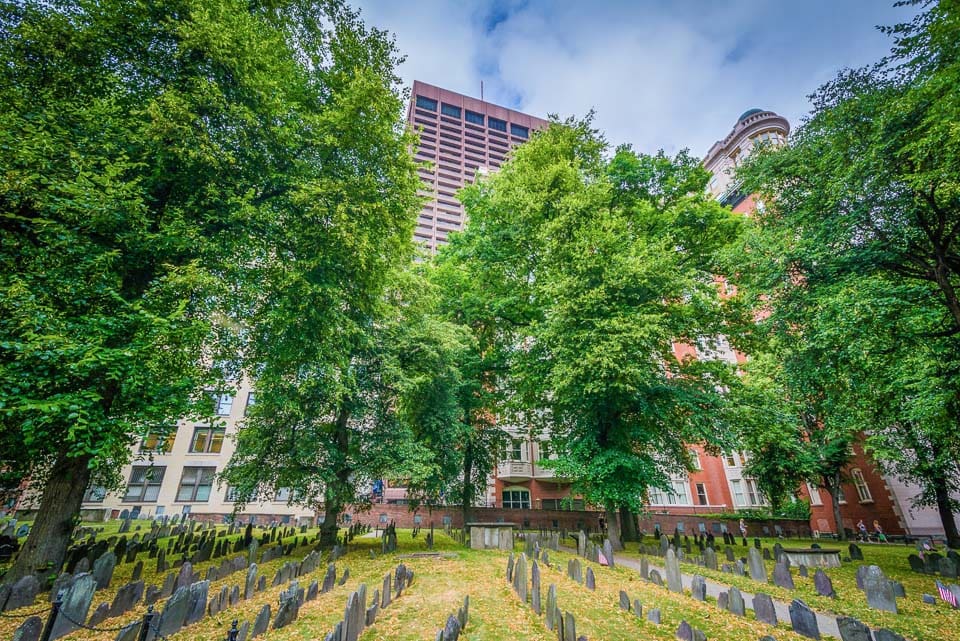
column 667, row 74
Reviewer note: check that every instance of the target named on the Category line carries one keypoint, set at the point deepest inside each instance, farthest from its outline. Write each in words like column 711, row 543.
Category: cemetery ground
column 496, row 613
column 915, row 620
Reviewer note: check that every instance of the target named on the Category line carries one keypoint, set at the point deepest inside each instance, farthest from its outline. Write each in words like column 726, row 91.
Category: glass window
column 702, row 494
column 694, row 459
column 450, row 110
column 426, row 103
column 841, row 495
column 231, row 495
column 862, row 490
column 656, row 496
column 283, row 494
column 474, row 117
column 95, row 494
column 679, row 494
column 496, row 123
column 518, row 130
column 206, row 439
column 516, row 499
column 738, row 498
column 224, row 403
column 752, row 492
column 814, row 493
column 161, row 443
column 195, row 483
column 544, row 450
column 731, row 461
column 251, row 401
column 516, row 450
column 145, row 481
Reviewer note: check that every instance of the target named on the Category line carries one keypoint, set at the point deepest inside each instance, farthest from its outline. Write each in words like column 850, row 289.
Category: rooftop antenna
column 481, row 91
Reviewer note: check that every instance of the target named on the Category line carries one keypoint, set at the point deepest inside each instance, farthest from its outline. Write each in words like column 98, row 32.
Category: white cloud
column 660, row 75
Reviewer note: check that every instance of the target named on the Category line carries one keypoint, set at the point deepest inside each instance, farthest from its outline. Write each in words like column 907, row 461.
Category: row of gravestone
column 562, row 623
column 576, row 573
column 357, row 615
column 592, row 552
column 947, row 566
column 653, row 615
column 455, row 624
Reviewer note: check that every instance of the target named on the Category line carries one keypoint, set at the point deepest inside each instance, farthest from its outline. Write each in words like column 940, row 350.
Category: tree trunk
column 339, row 491
column 833, row 486
column 628, row 523
column 466, row 498
column 613, row 528
column 46, row 546
column 946, row 514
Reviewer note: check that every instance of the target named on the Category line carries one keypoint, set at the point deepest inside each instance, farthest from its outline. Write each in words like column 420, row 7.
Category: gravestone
column 287, row 612
column 947, row 567
column 591, row 579
column 184, row 576
column 672, row 566
column 698, row 588
column 551, row 607
column 637, row 608
column 803, row 620
column 329, row 578
column 766, row 554
column 782, row 577
column 313, row 589
column 684, row 632
column 520, row 577
column 624, row 601
column 644, row 568
column 151, row 595
column 197, row 602
column 723, row 600
column 655, row 578
column 653, row 616
column 76, row 604
column 262, row 583
column 898, row 590
column 250, row 583
column 510, row 563
column 878, row 589
column 710, row 559
column 99, row 614
column 535, row 588
column 126, row 598
column 103, row 570
column 802, row 571
column 343, row 578
column 244, row 632
column 728, row 551
column 137, row 571
column 739, row 568
column 758, row 571
column 929, row 599
column 852, row 629
column 21, row 594
column 174, row 612
column 608, row 552
column 823, row 584
column 763, row 608
column 735, row 602
column 29, row 630
column 884, row 634
column 262, row 622
column 856, row 554
column 916, row 563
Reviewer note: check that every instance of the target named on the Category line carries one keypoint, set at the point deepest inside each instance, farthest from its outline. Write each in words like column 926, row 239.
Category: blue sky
column 660, row 74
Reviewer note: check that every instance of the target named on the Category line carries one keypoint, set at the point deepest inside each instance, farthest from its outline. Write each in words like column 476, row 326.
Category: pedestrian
column 879, row 530
column 743, row 528
column 862, row 531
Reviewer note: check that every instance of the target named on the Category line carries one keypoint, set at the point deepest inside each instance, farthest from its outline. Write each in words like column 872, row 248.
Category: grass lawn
column 439, row 586
column 915, row 620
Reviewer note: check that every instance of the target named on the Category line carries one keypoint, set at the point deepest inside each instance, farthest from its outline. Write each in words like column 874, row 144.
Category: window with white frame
column 195, row 484
column 679, row 492
column 144, row 484
column 739, row 500
column 862, row 490
column 814, row 493
column 516, row 499
column 516, row 450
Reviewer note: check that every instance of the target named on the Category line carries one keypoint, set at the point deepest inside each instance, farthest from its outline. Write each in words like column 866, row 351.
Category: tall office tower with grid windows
column 460, row 136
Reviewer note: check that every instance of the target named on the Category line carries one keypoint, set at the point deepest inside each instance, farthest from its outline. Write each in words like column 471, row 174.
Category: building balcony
column 513, row 471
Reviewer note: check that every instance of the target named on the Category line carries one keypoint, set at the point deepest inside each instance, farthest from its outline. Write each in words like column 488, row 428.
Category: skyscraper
column 460, row 136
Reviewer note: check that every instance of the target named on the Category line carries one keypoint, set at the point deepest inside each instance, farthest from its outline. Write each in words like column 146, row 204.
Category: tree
column 145, row 147
column 868, row 189
column 595, row 269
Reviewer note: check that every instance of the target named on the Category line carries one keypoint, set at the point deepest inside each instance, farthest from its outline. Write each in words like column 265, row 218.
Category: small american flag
column 946, row 594
column 603, row 561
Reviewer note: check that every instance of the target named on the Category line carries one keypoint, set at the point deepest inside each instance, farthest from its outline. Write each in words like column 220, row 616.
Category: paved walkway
column 827, row 622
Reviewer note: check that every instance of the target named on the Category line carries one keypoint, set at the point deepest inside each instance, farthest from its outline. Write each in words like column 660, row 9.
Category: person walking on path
column 879, row 530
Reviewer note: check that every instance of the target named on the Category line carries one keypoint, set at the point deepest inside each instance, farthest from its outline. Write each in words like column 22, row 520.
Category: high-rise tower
column 459, row 136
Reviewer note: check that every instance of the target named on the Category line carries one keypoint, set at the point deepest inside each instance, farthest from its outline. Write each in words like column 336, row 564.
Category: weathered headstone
column 29, row 630
column 551, row 614
column 852, row 629
column 624, row 601
column 684, row 632
column 735, row 604
column 174, row 612
column 99, row 614
column 884, row 634
column 782, row 577
column 197, row 602
column 103, row 570
column 644, row 567
column 710, row 559
column 948, row 568
column 723, row 600
column 126, row 598
column 802, row 571
column 262, row 622
column 698, row 588
column 728, row 551
column 608, row 552
column 763, row 608
column 898, row 590
column 76, row 604
column 879, row 591
column 653, row 616
column 856, row 554
column 916, row 563
column 535, row 588
column 758, row 571
column 929, row 599
column 21, row 594
column 672, row 567
column 655, row 577
column 591, row 580
column 329, row 578
column 803, row 620
column 823, row 584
